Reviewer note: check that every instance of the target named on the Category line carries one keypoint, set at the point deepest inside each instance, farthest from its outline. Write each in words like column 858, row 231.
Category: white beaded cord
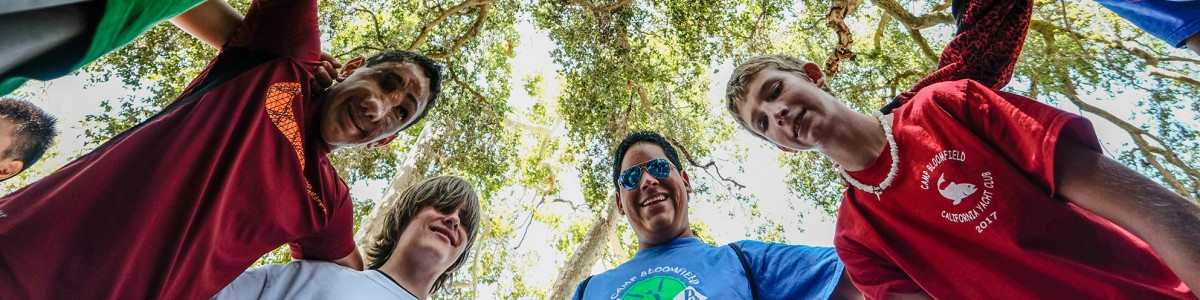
column 895, row 152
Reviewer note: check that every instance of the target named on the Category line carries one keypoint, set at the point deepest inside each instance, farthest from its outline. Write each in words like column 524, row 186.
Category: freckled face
column 373, row 103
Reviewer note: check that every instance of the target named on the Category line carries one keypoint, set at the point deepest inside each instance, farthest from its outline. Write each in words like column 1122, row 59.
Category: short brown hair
column 33, row 133
column 445, row 193
column 735, row 91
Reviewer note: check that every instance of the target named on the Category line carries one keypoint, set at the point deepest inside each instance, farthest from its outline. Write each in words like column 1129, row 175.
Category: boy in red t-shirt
column 181, row 204
column 960, row 191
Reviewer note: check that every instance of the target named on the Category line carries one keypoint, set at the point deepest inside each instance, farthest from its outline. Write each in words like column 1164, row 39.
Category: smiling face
column 374, row 103
column 433, row 237
column 656, row 209
column 791, row 111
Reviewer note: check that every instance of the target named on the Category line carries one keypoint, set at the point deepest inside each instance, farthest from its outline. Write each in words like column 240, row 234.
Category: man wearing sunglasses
column 652, row 194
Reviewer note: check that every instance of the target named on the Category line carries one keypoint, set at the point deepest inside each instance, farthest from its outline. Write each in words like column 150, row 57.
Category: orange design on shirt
column 279, row 108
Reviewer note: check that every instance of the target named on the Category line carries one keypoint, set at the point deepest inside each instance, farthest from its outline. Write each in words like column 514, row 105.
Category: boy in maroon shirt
column 183, row 203
column 960, row 191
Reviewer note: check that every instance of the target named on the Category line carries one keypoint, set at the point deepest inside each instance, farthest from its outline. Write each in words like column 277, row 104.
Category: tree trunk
column 410, row 172
column 580, row 263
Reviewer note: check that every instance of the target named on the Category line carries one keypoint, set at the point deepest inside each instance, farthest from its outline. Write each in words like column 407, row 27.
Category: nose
column 375, row 108
column 647, row 179
column 452, row 220
column 781, row 115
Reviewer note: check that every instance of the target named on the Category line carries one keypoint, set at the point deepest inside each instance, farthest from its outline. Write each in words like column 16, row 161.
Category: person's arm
column 1161, row 218
column 919, row 296
column 845, row 289
column 213, row 22
column 990, row 36
column 1193, row 42
column 353, row 261
column 811, row 272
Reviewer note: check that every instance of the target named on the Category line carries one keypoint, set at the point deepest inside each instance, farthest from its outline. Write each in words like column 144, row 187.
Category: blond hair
column 445, row 193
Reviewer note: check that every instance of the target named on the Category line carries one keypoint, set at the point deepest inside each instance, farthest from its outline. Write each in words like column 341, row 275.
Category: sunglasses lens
column 659, row 168
column 630, row 177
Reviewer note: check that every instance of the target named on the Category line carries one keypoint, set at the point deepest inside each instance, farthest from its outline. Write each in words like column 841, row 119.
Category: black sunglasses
column 659, row 168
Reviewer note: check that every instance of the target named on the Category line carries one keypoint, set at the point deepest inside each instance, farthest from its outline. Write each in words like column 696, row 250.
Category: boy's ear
column 687, row 182
column 814, row 71
column 10, row 168
column 351, row 65
column 384, row 141
column 620, row 208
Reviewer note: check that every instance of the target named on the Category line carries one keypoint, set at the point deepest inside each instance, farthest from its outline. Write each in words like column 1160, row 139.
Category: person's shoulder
column 947, row 94
column 761, row 244
column 308, row 266
column 944, row 90
column 752, row 247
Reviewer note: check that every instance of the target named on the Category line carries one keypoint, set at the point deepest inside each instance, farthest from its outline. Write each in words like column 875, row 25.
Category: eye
column 776, row 89
column 389, row 83
column 401, row 112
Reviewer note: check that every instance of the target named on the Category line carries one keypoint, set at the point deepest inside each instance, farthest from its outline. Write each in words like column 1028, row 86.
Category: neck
column 687, row 233
column 416, row 278
column 856, row 144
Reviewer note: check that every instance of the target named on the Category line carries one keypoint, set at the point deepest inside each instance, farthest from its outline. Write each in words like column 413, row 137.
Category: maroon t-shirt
column 971, row 213
column 180, row 205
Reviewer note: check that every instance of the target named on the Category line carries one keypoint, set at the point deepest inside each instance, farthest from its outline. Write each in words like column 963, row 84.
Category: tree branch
column 585, row 3
column 711, row 164
column 1151, row 59
column 883, row 22
column 894, row 82
column 574, row 206
column 428, row 28
column 375, row 21
column 352, row 50
column 616, row 5
column 1139, row 135
column 913, row 22
column 480, row 19
column 836, row 19
column 924, row 45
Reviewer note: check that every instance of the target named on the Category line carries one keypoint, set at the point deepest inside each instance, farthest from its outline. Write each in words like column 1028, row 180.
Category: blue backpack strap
column 746, row 267
column 583, row 286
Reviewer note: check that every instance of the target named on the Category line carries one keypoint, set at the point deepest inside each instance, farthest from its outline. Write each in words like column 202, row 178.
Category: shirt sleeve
column 335, row 241
column 989, row 40
column 1024, row 131
column 578, row 289
column 1171, row 21
column 875, row 276
column 284, row 27
column 793, row 271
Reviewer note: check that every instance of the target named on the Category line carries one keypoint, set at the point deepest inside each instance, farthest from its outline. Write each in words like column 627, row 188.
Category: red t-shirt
column 971, row 213
column 180, row 205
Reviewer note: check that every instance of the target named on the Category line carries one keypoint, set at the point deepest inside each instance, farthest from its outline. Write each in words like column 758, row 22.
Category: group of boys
column 956, row 190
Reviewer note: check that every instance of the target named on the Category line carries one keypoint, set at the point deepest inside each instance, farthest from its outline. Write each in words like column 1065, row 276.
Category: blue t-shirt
column 1172, row 21
column 687, row 268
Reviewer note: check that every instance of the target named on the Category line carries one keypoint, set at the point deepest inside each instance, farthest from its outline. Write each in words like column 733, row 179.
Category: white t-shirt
column 305, row 279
